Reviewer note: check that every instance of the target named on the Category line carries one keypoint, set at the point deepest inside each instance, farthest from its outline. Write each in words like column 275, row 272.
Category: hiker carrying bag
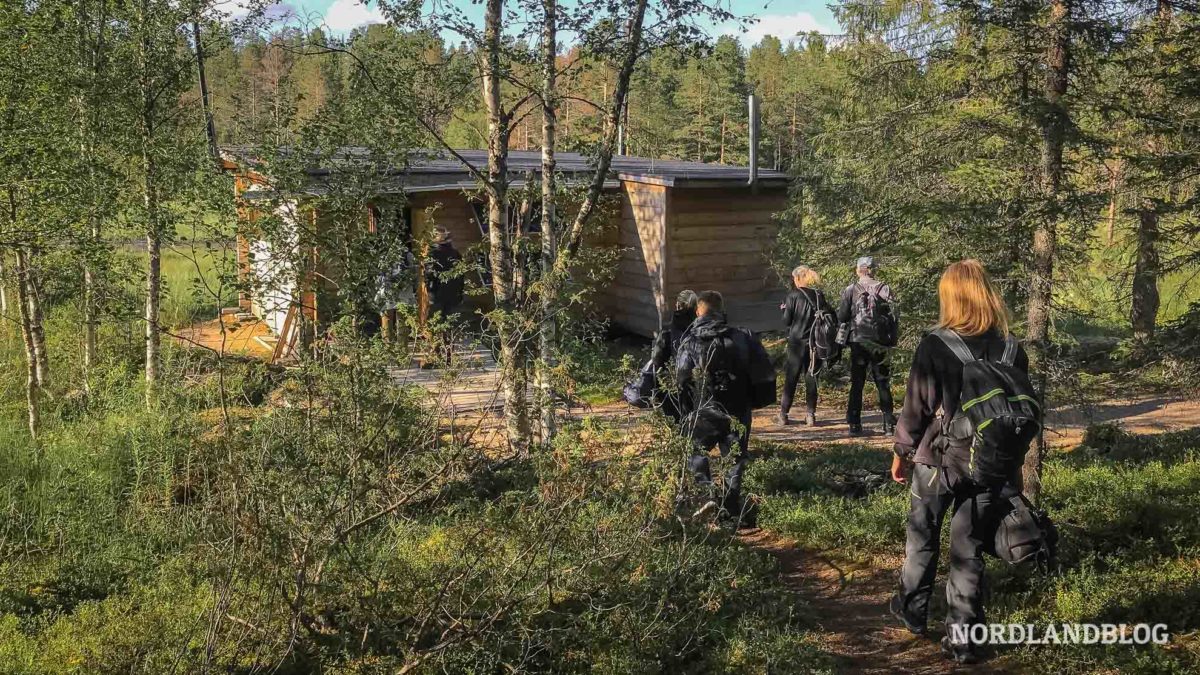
column 736, row 362
column 873, row 319
column 999, row 415
column 1025, row 534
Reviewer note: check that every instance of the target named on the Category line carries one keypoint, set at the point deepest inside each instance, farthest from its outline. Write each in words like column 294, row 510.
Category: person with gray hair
column 869, row 326
column 666, row 344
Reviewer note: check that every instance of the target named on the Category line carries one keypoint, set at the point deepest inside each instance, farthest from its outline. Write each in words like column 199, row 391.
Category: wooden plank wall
column 719, row 239
column 448, row 209
column 635, row 299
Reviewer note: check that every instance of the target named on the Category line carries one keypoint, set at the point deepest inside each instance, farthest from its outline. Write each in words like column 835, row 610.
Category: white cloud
column 783, row 26
column 344, row 16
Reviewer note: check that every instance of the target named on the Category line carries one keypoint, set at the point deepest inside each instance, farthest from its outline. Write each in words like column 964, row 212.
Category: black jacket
column 445, row 291
column 703, row 382
column 799, row 312
column 935, row 383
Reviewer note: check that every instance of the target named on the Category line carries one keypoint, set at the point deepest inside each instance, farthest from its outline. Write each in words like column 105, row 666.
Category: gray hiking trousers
column 975, row 511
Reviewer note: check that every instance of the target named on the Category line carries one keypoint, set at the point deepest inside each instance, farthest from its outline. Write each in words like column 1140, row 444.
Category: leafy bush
column 323, row 519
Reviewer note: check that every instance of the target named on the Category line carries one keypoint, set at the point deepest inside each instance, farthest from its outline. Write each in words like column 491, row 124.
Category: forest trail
column 850, row 606
column 849, row 599
column 1065, row 425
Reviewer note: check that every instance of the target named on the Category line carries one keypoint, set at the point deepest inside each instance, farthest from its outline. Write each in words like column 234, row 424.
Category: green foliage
column 326, row 516
column 805, row 501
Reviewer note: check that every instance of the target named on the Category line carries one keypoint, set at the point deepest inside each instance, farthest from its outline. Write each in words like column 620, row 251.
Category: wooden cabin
column 679, row 225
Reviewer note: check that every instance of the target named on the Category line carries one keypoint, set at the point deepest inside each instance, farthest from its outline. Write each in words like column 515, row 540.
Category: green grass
column 126, row 525
column 191, row 283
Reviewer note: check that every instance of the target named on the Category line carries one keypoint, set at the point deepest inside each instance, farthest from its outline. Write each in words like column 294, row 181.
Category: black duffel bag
column 639, row 392
column 1025, row 534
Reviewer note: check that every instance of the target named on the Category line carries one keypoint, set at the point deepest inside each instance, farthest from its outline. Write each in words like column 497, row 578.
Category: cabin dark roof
column 429, row 170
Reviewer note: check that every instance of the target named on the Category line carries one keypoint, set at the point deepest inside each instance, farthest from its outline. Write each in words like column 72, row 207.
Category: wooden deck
column 471, row 383
column 247, row 337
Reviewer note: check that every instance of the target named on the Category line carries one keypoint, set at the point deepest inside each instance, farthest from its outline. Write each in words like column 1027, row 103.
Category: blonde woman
column 938, row 472
column 799, row 311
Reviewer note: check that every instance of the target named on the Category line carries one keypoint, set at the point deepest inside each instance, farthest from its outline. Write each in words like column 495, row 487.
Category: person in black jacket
column 666, row 344
column 799, row 312
column 866, row 355
column 939, row 473
column 714, row 396
column 445, row 288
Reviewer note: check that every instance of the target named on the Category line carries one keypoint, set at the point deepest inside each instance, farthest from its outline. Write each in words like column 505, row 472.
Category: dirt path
column 850, row 603
column 1065, row 425
column 850, row 600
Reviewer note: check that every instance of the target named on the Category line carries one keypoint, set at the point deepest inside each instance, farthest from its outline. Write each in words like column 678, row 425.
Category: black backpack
column 823, row 334
column 999, row 415
column 873, row 317
column 739, row 351
column 762, row 372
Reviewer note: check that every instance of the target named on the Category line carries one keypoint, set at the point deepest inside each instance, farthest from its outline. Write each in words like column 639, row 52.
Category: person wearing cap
column 866, row 355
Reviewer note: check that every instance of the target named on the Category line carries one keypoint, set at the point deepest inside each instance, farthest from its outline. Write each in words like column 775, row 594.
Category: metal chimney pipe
column 753, row 141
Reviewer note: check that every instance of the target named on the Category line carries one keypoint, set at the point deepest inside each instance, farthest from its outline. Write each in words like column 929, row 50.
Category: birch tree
column 161, row 141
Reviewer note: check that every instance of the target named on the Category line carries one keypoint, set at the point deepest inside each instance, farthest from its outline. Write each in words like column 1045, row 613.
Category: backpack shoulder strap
column 1010, row 350
column 815, row 300
column 956, row 344
column 803, row 293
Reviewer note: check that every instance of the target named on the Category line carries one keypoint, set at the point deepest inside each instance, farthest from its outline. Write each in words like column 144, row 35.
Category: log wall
column 720, row 239
column 635, row 298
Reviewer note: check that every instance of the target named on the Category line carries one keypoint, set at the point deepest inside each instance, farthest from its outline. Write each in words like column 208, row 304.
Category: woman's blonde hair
column 969, row 302
column 805, row 277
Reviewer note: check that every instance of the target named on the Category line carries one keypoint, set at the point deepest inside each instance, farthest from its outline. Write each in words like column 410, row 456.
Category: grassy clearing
column 191, row 279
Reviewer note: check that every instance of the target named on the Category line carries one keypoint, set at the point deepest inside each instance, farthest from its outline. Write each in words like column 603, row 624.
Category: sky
column 781, row 18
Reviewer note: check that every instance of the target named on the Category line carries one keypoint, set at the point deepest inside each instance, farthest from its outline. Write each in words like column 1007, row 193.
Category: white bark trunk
column 548, row 326
column 37, row 320
column 32, row 388
column 153, row 231
column 512, row 357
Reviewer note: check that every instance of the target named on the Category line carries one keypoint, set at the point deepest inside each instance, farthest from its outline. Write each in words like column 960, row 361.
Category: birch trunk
column 548, row 326
column 32, row 388
column 3, row 291
column 512, row 356
column 150, row 203
column 92, row 54
column 37, row 319
column 608, row 142
column 90, row 309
